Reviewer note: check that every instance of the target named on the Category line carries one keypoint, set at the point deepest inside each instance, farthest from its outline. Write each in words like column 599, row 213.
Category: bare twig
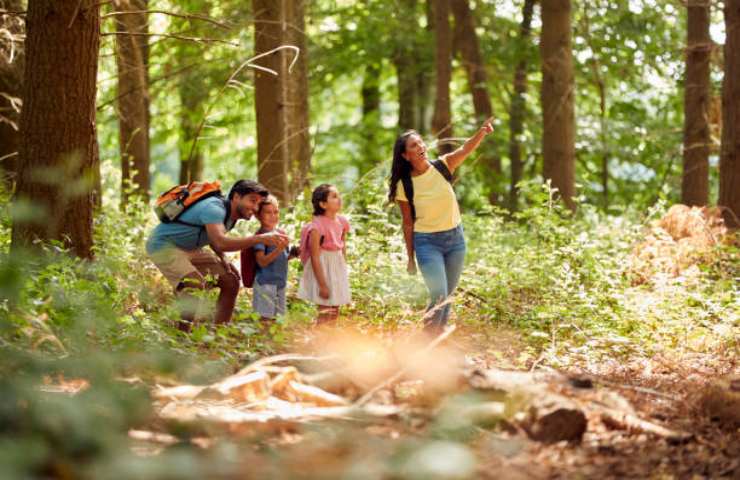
column 232, row 77
column 286, row 357
column 170, row 35
column 187, row 16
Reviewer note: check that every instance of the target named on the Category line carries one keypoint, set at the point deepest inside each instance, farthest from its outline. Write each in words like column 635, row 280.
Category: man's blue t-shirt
column 275, row 273
column 186, row 237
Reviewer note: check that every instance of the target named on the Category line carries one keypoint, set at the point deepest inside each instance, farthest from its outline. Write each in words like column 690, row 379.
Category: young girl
column 271, row 276
column 325, row 280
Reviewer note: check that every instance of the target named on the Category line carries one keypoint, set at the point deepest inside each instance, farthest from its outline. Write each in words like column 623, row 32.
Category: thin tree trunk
column 468, row 46
column 57, row 150
column 370, row 118
column 696, row 133
column 272, row 151
column 600, row 84
column 11, row 82
column 133, row 97
column 518, row 106
column 729, row 167
column 558, row 108
column 297, row 116
column 442, row 120
column 406, row 68
column 190, row 90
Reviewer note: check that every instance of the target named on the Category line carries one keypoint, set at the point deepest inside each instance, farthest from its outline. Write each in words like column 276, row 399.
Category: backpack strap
column 408, row 187
column 442, row 168
column 227, row 207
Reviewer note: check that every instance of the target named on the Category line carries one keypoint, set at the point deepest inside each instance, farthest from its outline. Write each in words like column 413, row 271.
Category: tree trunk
column 729, row 167
column 132, row 60
column 405, row 63
column 442, row 120
column 558, row 109
column 297, row 115
column 57, row 149
column 518, row 106
column 696, row 133
column 190, row 90
column 370, row 119
column 600, row 84
column 11, row 81
column 272, row 146
column 468, row 46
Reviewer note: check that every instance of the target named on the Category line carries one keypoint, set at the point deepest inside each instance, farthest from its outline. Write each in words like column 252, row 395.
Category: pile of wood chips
column 684, row 238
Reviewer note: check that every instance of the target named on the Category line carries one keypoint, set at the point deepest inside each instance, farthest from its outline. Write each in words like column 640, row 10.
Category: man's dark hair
column 245, row 187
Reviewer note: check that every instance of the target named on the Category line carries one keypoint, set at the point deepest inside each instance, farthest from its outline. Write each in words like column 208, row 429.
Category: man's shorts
column 268, row 300
column 176, row 263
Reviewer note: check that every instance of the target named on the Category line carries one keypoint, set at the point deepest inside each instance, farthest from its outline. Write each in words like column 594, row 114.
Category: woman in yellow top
column 432, row 226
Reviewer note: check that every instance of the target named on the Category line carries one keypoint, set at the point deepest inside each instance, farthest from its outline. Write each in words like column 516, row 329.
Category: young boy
column 271, row 276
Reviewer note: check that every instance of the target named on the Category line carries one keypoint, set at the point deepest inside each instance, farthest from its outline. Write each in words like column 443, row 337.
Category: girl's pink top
column 332, row 230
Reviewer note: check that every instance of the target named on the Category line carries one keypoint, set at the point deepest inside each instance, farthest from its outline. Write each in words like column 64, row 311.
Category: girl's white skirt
column 337, row 279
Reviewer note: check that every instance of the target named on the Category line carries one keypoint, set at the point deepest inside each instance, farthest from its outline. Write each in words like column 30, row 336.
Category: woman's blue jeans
column 440, row 256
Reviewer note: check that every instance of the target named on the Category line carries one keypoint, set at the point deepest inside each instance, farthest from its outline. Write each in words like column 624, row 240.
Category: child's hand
column 275, row 239
column 411, row 267
column 324, row 291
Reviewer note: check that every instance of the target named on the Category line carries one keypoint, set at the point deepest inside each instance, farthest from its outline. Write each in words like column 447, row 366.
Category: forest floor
column 665, row 390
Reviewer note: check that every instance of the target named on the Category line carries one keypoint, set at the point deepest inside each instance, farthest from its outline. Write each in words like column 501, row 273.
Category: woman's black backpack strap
column 408, row 189
column 442, row 168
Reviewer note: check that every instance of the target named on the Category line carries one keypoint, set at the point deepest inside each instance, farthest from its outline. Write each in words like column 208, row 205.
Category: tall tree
column 370, row 118
column 190, row 88
column 442, row 120
column 11, row 81
column 729, row 166
column 297, row 115
column 270, row 99
column 466, row 43
column 132, row 60
column 696, row 131
column 558, row 105
column 517, row 108
column 404, row 59
column 57, row 150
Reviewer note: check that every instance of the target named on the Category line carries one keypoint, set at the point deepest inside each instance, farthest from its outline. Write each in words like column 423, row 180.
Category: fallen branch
column 624, row 421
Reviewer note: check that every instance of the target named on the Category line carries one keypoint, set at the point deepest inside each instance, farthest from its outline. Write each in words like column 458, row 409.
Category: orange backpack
column 174, row 202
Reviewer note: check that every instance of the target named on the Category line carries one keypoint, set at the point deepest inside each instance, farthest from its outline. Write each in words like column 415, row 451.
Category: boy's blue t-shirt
column 275, row 273
column 186, row 237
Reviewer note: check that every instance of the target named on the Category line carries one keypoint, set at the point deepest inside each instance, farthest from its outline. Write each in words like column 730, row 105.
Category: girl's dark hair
column 320, row 194
column 401, row 170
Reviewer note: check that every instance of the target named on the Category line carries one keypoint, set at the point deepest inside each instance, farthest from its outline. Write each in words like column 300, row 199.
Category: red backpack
column 248, row 258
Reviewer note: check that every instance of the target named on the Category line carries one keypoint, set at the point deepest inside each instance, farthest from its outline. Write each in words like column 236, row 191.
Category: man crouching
column 176, row 248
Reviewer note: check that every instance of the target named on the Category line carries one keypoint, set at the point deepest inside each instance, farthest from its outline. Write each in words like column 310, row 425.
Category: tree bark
column 558, row 108
column 468, row 46
column 518, row 106
column 11, row 82
column 190, row 90
column 405, row 63
column 370, row 119
column 696, row 133
column 442, row 120
column 270, row 99
column 600, row 85
column 729, row 167
column 132, row 60
column 57, row 149
column 297, row 115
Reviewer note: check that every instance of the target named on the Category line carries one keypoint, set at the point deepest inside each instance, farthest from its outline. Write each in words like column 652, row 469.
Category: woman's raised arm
column 454, row 159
